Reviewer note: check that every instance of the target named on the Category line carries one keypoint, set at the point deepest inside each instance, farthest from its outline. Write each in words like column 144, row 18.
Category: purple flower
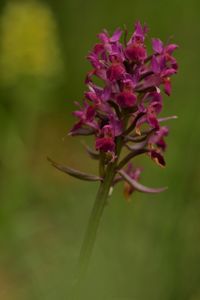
column 136, row 49
column 104, row 36
column 139, row 33
column 163, row 64
column 86, row 116
column 116, row 124
column 157, row 137
column 123, row 109
column 126, row 99
column 151, row 111
column 116, row 71
column 105, row 142
column 136, row 52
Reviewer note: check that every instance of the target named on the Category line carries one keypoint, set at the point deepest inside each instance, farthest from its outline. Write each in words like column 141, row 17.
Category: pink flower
column 126, row 104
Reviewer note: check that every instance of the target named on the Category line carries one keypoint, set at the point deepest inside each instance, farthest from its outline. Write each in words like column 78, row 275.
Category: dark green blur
column 146, row 249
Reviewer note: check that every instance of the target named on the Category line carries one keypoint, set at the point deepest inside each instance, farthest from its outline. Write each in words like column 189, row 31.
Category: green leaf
column 138, row 186
column 73, row 172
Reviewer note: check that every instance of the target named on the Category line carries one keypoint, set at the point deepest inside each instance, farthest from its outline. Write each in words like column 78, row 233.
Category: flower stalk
column 96, row 214
column 123, row 112
column 94, row 221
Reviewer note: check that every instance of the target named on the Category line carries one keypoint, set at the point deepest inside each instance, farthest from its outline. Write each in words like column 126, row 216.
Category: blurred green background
column 146, row 249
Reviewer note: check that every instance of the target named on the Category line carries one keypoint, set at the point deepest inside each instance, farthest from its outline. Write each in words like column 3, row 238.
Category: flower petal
column 157, row 45
column 171, row 48
column 116, row 35
column 155, row 65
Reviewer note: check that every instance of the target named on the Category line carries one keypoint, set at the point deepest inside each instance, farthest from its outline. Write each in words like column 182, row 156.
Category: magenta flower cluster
column 124, row 98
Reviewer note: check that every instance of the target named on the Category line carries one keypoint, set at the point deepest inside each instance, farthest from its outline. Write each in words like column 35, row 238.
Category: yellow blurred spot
column 28, row 41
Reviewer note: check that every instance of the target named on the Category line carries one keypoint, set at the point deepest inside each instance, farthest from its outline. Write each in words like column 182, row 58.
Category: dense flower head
column 126, row 103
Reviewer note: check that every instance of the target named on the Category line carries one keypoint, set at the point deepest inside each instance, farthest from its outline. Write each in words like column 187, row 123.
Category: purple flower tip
column 157, row 46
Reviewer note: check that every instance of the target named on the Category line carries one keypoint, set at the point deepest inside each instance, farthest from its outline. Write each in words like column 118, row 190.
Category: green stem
column 96, row 214
column 95, row 217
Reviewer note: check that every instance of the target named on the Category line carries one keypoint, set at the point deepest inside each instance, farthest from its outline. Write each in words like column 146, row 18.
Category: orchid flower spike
column 123, row 111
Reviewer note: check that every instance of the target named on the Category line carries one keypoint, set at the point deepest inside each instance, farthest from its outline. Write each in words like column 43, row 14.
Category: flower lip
column 105, row 144
column 136, row 52
column 116, row 72
column 126, row 99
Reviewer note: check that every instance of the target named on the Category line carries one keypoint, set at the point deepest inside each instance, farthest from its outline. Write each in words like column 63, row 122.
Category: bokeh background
column 146, row 249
